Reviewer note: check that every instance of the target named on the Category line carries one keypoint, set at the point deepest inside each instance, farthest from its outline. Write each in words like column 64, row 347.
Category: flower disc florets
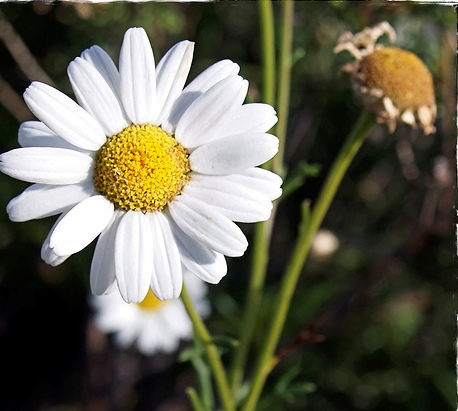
column 142, row 168
column 151, row 302
column 390, row 82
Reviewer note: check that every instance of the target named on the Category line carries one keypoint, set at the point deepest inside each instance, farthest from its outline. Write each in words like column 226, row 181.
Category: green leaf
column 298, row 177
column 195, row 400
column 287, row 390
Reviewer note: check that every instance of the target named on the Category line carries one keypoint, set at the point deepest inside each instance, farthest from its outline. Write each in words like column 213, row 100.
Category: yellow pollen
column 142, row 168
column 151, row 302
column 401, row 75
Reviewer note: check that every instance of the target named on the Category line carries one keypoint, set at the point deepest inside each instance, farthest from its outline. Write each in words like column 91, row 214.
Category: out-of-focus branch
column 13, row 102
column 21, row 54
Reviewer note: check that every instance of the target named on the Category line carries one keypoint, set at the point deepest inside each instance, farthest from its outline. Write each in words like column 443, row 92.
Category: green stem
column 196, row 403
column 284, row 82
column 253, row 299
column 261, row 238
column 203, row 375
column 265, row 361
column 268, row 50
column 227, row 400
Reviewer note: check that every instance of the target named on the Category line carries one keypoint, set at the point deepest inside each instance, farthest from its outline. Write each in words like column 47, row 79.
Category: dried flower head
column 390, row 82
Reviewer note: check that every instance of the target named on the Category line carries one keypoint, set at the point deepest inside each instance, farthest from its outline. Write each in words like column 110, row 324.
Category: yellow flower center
column 401, row 75
column 142, row 168
column 151, row 302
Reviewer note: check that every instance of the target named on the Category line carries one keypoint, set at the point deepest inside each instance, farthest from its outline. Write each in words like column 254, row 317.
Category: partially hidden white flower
column 152, row 325
column 158, row 172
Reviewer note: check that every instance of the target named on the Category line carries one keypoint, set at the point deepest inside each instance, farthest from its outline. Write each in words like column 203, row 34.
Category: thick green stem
column 227, row 399
column 284, row 81
column 264, row 364
column 196, row 403
column 262, row 231
column 261, row 243
column 268, row 50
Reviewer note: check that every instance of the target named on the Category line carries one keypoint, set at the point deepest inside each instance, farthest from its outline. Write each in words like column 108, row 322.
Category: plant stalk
column 348, row 151
column 225, row 394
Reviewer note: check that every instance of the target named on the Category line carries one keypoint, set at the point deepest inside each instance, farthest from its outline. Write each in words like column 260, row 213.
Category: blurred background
column 372, row 325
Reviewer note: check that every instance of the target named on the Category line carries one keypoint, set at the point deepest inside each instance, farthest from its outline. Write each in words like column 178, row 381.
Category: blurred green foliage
column 382, row 305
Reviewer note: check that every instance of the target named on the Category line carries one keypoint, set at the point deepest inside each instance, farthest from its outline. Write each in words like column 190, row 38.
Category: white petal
column 203, row 223
column 134, row 256
column 96, row 96
column 212, row 75
column 47, row 254
column 233, row 154
column 103, row 63
column 64, row 117
column 210, row 272
column 81, row 225
column 46, row 165
column 177, row 324
column 249, row 118
column 126, row 336
column 39, row 200
column 167, row 279
column 154, row 337
column 112, row 314
column 137, row 77
column 208, row 78
column 102, row 266
column 197, row 125
column 200, row 260
column 37, row 134
column 263, row 181
column 171, row 74
column 235, row 201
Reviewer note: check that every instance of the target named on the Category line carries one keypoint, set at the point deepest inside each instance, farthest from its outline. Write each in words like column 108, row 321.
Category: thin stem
column 268, row 50
column 21, row 54
column 261, row 242
column 211, row 351
column 262, row 231
column 284, row 82
column 265, row 362
column 204, row 375
column 196, row 403
column 13, row 103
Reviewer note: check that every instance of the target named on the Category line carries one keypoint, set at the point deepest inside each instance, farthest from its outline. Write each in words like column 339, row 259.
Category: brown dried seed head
column 401, row 75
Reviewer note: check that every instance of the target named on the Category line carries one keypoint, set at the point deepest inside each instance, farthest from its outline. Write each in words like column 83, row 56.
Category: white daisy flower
column 161, row 173
column 153, row 325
